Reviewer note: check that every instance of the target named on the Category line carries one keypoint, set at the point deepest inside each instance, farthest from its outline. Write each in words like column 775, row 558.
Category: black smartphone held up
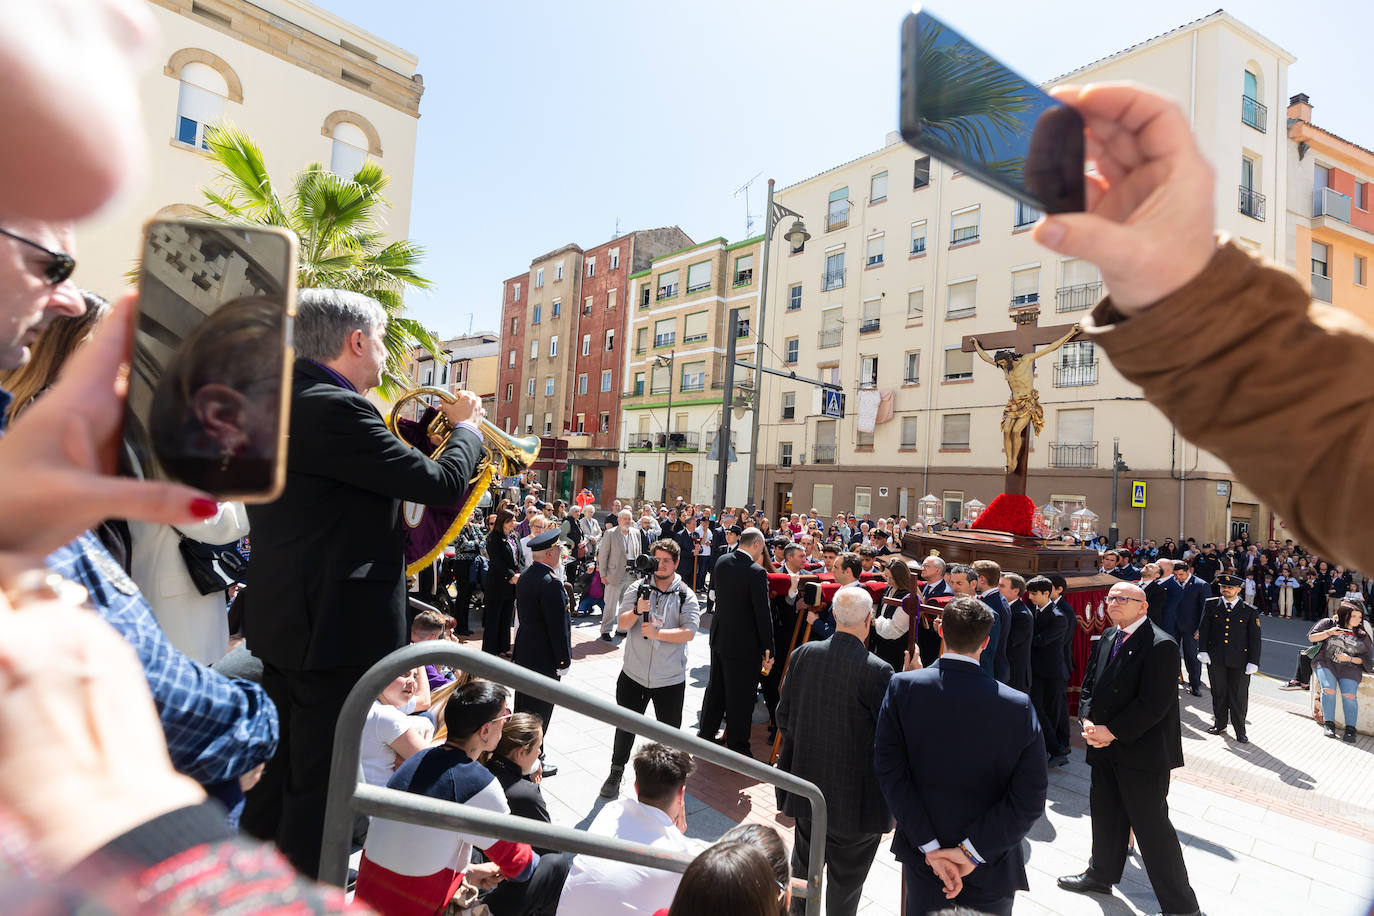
column 961, row 105
column 209, row 385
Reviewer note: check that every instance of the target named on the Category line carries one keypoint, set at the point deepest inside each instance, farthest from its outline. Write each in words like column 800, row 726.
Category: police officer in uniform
column 544, row 641
column 1229, row 645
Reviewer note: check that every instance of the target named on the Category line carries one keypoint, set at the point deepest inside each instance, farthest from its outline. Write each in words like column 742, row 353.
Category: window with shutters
column 605, row 380
column 604, row 424
column 558, row 272
column 954, row 431
column 863, row 441
column 610, row 299
column 581, row 424
column 918, row 239
column 511, row 361
column 582, row 383
column 553, row 345
column 610, row 339
column 868, row 371
column 963, row 299
column 833, row 278
column 529, row 387
column 963, row 226
column 877, row 188
column 958, row 364
column 911, row 367
column 548, row 424
column 794, row 297
column 639, row 383
column 539, row 281
column 591, row 267
column 200, row 103
column 587, row 306
column 824, row 450
column 875, row 251
column 785, row 454
column 517, row 292
column 837, row 213
column 744, row 270
column 510, row 390
column 615, row 258
column 921, row 173
column 872, row 315
column 659, row 380
column 1080, row 286
column 641, row 339
column 790, row 350
column 665, row 332
column 693, row 376
column 557, row 307
column 1025, row 286
column 538, row 314
column 789, row 405
column 667, row 285
column 529, row 422
column 698, row 277
column 1073, row 446
column 534, row 349
column 695, row 327
column 586, row 344
column 915, row 304
column 908, row 443
column 548, row 386
column 832, row 328
column 1076, row 365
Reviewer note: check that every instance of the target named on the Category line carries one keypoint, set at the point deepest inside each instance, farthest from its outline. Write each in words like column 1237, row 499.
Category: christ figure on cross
column 1023, row 407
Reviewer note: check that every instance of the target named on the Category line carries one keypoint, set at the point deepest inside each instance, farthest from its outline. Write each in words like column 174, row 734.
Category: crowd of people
column 115, row 735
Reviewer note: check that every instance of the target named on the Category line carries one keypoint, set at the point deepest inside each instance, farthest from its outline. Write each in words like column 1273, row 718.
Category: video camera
column 642, row 565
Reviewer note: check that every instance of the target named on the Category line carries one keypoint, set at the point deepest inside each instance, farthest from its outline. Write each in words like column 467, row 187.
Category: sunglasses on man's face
column 59, row 266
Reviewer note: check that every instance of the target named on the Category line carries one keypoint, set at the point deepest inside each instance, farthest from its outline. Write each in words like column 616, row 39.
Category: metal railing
column 665, row 340
column 742, row 328
column 744, row 276
column 837, row 217
column 667, row 292
column 677, row 442
column 1251, row 203
column 832, row 279
column 965, row 234
column 1025, row 299
column 821, row 454
column 1332, row 203
column 868, row 325
column 1254, row 112
column 696, row 288
column 349, row 795
column 1073, row 454
column 693, row 381
column 1321, row 287
column 875, row 260
column 829, row 337
column 918, row 246
column 1078, row 297
column 1075, row 375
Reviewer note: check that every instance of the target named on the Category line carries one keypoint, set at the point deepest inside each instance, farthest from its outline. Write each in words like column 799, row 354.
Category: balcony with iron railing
column 1077, row 297
column 963, row 234
column 665, row 340
column 823, row 454
column 666, row 292
column 742, row 328
column 837, row 217
column 1332, row 203
column 1024, row 300
column 1073, row 454
column 829, row 337
column 1254, row 112
column 1251, row 203
column 1075, row 375
column 1321, row 287
column 875, row 260
column 693, row 381
column 832, row 279
column 869, row 325
column 744, row 277
column 918, row 246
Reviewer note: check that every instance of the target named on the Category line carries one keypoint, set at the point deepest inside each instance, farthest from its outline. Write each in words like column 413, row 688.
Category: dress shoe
column 611, row 787
column 1059, row 760
column 1085, row 883
column 1195, row 691
column 607, row 637
column 547, row 769
column 1216, row 730
column 1243, row 738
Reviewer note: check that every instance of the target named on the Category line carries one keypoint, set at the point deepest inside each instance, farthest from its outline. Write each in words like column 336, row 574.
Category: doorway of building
column 679, row 481
column 782, row 498
column 640, row 477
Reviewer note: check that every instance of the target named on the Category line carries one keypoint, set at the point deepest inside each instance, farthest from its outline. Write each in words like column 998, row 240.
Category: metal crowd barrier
column 350, row 795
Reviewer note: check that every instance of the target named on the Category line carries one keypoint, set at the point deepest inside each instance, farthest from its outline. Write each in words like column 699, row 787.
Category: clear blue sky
column 544, row 123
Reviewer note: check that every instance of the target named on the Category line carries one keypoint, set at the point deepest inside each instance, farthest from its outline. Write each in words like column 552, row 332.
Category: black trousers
column 630, row 694
column 462, row 603
column 848, row 857
column 541, row 708
column 536, row 897
column 730, row 692
column 497, row 617
column 1122, row 800
column 924, row 895
column 1050, row 698
column 1230, row 696
column 287, row 805
column 1187, row 643
column 1304, row 673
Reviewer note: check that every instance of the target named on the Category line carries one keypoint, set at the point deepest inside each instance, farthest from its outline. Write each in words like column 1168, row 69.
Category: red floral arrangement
column 1009, row 513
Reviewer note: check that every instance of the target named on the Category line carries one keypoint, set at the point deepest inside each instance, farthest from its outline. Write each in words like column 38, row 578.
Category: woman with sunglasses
column 410, row 870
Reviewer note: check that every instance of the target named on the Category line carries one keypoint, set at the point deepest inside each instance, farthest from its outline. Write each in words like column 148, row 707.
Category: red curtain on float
column 1090, row 620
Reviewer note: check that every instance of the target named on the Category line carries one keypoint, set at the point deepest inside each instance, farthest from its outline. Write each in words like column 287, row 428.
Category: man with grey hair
column 619, row 546
column 828, row 715
column 327, row 576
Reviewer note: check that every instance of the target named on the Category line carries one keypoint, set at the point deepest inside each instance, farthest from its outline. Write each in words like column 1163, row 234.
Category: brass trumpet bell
column 508, row 454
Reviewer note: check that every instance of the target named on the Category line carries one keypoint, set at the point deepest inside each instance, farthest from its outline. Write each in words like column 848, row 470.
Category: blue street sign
column 832, row 404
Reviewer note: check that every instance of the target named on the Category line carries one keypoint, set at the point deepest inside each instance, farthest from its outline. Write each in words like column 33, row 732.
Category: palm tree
column 337, row 219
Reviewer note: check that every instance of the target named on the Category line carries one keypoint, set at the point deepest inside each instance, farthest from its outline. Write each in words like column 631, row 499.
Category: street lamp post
column 667, row 419
column 796, row 236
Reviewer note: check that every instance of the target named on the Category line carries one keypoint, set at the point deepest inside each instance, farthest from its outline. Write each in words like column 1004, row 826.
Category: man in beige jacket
column 618, row 546
column 1150, row 228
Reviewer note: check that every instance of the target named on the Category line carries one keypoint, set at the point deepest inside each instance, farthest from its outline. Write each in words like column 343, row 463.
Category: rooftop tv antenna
column 748, row 216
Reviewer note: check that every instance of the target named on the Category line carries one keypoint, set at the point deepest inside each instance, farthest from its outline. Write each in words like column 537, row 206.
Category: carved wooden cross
column 1027, row 336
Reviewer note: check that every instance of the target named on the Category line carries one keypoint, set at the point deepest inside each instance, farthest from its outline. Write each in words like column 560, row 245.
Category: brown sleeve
column 1278, row 387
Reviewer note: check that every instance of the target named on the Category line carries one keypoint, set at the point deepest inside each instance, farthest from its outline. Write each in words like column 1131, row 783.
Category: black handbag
column 213, row 567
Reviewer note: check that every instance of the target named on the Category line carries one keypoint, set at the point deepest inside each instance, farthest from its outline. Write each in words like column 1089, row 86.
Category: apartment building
column 468, row 362
column 910, row 258
column 674, row 381
column 306, row 85
column 1329, row 211
column 562, row 332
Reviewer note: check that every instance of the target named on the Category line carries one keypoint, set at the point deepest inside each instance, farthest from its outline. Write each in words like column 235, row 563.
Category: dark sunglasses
column 60, row 264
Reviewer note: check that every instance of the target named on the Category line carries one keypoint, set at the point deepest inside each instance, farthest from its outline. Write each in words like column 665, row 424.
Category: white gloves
column 1204, row 658
column 1251, row 669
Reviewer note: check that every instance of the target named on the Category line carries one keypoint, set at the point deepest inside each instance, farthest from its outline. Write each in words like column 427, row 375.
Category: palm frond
column 243, row 172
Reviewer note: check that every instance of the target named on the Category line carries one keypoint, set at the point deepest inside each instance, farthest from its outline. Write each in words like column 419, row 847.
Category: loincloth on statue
column 1026, row 405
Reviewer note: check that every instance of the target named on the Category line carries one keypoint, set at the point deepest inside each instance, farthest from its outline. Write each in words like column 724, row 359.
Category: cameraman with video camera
column 660, row 615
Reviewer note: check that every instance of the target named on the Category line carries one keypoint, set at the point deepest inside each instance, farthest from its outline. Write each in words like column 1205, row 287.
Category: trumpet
column 429, row 529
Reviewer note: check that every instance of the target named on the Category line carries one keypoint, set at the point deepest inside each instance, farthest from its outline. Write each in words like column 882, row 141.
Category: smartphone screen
column 208, row 384
column 961, row 105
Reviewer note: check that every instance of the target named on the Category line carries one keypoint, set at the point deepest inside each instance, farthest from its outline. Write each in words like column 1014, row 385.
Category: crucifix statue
column 1016, row 358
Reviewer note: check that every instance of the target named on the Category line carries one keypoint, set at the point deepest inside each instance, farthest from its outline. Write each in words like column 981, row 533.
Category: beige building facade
column 304, row 84
column 470, row 362
column 909, row 258
column 674, row 382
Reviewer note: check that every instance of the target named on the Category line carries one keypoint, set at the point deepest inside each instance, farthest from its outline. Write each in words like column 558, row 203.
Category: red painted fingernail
column 204, row 508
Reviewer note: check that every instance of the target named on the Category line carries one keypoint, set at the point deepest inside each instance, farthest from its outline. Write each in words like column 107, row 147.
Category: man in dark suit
column 1124, row 566
column 1129, row 708
column 959, row 835
column 1049, row 668
column 828, row 714
column 543, row 643
column 1152, row 581
column 963, row 582
column 1229, row 645
column 1172, row 593
column 1193, row 594
column 741, row 643
column 989, row 576
column 328, row 565
column 1019, row 633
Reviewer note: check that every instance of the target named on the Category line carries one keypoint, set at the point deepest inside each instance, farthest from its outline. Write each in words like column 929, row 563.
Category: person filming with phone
column 660, row 615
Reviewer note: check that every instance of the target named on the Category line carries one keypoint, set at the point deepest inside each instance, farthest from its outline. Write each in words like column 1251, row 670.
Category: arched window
column 200, row 102
column 349, row 149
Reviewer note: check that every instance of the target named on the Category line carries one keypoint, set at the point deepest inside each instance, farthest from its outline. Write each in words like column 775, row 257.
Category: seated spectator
column 426, row 626
column 768, row 842
column 410, row 870
column 1347, row 653
column 595, row 886
column 391, row 735
column 730, row 877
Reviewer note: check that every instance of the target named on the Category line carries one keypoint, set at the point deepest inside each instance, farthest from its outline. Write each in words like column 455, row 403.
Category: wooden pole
column 796, row 630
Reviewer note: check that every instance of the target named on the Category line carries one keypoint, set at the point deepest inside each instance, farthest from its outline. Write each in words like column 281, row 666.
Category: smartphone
column 962, row 106
column 209, row 383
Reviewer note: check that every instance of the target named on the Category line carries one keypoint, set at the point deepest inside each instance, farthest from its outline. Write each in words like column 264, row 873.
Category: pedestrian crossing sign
column 1137, row 494
column 832, row 403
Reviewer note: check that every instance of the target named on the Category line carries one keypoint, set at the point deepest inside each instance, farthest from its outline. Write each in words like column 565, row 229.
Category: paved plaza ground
column 1283, row 825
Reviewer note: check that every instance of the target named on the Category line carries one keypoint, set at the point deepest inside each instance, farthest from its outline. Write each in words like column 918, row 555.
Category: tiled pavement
column 1284, row 825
